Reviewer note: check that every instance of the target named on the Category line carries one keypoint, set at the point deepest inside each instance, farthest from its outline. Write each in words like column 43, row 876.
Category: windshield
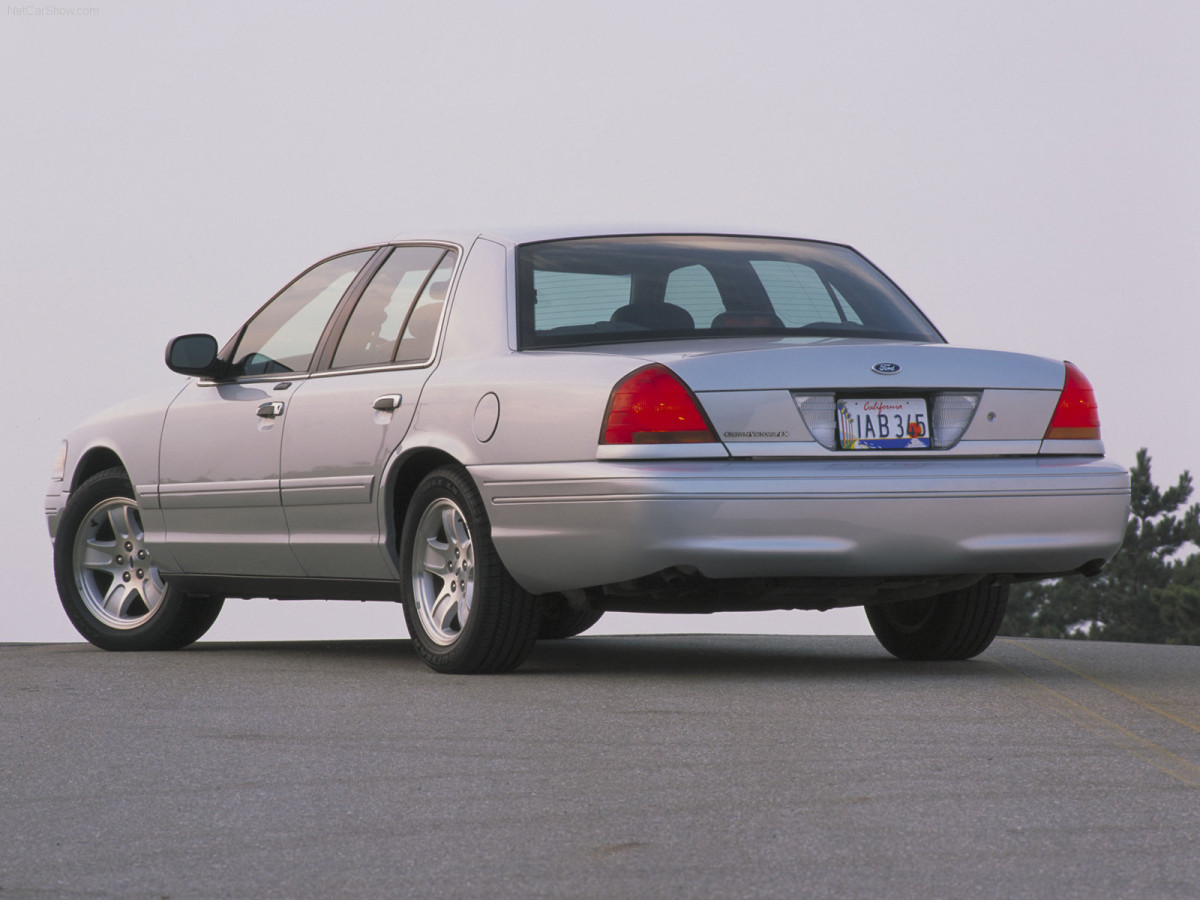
column 661, row 287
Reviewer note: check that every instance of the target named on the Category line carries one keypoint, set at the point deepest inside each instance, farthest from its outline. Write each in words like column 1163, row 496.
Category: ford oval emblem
column 885, row 368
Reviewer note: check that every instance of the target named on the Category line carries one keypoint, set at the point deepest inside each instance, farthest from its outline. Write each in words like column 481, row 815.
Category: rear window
column 663, row 287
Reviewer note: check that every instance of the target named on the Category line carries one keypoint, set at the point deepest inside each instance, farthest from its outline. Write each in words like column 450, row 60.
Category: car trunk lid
column 781, row 397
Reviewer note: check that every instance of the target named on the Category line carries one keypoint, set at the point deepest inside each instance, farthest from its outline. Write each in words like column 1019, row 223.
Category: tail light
column 1076, row 418
column 652, row 406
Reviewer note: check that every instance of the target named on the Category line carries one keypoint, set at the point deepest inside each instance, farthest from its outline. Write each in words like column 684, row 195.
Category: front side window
column 283, row 335
column 669, row 287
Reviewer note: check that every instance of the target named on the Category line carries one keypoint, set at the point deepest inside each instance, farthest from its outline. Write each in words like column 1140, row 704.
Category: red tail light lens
column 652, row 406
column 1077, row 417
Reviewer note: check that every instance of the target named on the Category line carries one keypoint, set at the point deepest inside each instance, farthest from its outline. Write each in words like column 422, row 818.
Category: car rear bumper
column 574, row 525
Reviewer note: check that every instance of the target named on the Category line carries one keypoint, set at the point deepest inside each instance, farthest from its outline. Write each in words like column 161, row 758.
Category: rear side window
column 373, row 332
column 420, row 331
column 672, row 287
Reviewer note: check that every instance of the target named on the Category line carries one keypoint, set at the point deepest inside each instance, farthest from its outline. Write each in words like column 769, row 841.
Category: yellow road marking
column 1159, row 757
column 1178, row 720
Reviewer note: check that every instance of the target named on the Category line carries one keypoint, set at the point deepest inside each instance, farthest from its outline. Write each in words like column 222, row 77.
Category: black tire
column 464, row 612
column 107, row 580
column 561, row 621
column 957, row 625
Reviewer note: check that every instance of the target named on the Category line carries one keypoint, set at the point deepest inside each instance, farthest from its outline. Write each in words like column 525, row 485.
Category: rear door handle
column 271, row 410
column 388, row 402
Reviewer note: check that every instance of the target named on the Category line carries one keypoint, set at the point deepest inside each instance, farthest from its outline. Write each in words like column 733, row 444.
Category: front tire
column 464, row 612
column 108, row 582
column 956, row 625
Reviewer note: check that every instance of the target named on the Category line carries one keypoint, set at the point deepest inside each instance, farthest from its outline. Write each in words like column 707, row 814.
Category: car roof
column 525, row 234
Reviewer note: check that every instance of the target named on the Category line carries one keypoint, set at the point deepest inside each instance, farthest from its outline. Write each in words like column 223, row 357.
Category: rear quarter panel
column 550, row 404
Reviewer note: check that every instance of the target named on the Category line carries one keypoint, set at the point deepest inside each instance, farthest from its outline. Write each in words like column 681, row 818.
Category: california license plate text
column 890, row 424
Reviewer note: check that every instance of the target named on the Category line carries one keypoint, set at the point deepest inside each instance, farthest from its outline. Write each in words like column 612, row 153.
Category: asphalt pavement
column 606, row 767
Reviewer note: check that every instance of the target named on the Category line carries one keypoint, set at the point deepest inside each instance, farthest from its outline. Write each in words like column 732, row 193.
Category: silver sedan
column 512, row 434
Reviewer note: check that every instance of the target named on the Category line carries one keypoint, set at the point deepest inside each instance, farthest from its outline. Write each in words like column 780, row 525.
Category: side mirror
column 194, row 354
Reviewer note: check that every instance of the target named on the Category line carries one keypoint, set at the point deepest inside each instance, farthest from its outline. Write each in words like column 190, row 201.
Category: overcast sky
column 1027, row 171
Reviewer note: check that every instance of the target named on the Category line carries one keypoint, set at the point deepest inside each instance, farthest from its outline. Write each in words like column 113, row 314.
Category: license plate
column 892, row 424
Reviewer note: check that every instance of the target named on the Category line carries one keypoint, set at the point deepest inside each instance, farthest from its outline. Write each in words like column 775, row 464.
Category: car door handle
column 388, row 402
column 271, row 410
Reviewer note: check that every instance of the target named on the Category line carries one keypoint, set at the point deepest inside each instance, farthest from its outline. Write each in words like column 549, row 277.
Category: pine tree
column 1179, row 602
column 1143, row 594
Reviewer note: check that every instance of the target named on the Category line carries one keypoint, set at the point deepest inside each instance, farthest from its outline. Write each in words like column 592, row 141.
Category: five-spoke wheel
column 443, row 567
column 464, row 611
column 115, row 575
column 107, row 579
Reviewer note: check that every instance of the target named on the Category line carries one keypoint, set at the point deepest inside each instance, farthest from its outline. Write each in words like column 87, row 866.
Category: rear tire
column 560, row 621
column 956, row 625
column 107, row 580
column 464, row 612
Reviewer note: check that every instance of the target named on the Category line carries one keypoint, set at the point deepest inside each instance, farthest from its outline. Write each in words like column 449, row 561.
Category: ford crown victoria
column 511, row 435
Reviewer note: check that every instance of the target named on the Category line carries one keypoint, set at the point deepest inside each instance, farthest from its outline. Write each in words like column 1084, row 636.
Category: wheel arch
column 148, row 615
column 93, row 461
column 400, row 483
